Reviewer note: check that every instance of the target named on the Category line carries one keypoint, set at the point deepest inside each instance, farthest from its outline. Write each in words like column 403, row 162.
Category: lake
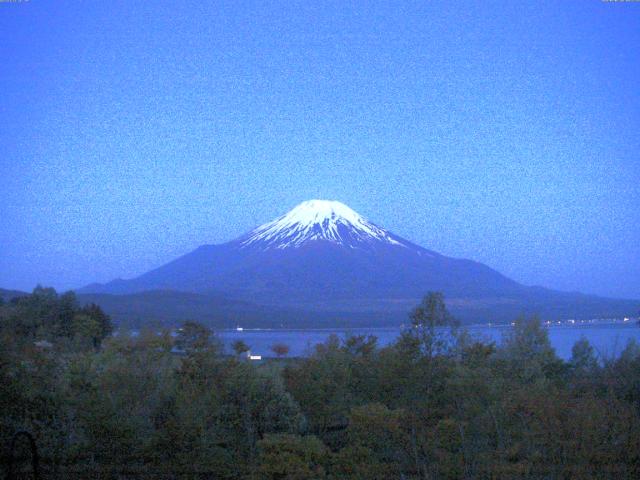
column 608, row 338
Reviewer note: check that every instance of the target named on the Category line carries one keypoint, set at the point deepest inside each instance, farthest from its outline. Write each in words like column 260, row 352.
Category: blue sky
column 506, row 132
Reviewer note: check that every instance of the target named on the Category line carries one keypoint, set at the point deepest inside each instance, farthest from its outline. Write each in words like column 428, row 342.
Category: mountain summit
column 323, row 257
column 315, row 220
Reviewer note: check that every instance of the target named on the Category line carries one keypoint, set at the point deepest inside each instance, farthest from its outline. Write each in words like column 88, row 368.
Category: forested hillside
column 434, row 405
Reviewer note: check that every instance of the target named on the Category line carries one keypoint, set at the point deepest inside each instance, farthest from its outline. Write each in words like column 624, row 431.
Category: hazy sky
column 507, row 132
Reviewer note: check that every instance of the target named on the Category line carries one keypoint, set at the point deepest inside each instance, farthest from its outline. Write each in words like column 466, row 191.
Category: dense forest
column 434, row 405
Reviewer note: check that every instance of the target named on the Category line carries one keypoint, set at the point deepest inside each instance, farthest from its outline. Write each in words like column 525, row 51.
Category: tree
column 626, row 372
column 192, row 336
column 361, row 345
column 65, row 312
column 428, row 320
column 239, row 347
column 45, row 315
column 355, row 462
column 86, row 329
column 137, row 373
column 528, row 349
column 379, row 429
column 36, row 315
column 226, row 406
column 432, row 312
column 92, row 323
column 321, row 386
column 280, row 349
column 583, row 357
column 291, row 457
column 631, row 351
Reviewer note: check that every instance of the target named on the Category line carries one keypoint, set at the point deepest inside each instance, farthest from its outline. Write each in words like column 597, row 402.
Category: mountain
column 7, row 295
column 168, row 308
column 324, row 257
column 322, row 251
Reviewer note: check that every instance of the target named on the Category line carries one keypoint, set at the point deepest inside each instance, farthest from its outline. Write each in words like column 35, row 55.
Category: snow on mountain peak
column 318, row 220
column 317, row 211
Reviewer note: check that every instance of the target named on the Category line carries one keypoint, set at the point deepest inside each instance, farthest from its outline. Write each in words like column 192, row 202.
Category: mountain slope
column 7, row 295
column 323, row 256
column 171, row 308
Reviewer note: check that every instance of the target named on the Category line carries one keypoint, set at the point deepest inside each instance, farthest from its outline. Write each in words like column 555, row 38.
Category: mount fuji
column 325, row 262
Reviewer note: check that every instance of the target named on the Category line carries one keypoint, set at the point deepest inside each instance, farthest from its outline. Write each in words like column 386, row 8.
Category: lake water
column 607, row 338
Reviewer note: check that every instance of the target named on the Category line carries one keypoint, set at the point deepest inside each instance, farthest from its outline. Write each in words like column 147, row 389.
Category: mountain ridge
column 323, row 256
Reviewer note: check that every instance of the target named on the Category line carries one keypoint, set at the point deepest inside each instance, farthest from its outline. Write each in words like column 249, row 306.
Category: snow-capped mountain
column 322, row 256
column 315, row 220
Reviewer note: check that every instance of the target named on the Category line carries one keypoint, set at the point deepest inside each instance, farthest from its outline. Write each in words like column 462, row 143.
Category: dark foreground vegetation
column 433, row 405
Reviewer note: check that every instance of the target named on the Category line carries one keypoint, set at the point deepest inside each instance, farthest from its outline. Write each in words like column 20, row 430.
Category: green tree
column 355, row 462
column 291, row 457
column 380, row 430
column 104, row 326
column 120, row 396
column 361, row 345
column 321, row 385
column 624, row 373
column 226, row 406
column 66, row 309
column 86, row 329
column 35, row 316
column 433, row 325
column 240, row 347
column 631, row 352
column 583, row 358
column 193, row 336
column 90, row 324
column 528, row 350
